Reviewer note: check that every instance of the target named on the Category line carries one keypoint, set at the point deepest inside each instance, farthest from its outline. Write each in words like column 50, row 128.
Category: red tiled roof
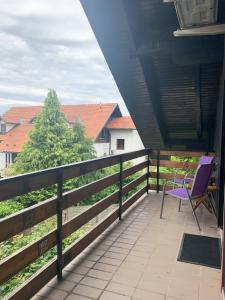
column 93, row 116
column 14, row 140
column 121, row 123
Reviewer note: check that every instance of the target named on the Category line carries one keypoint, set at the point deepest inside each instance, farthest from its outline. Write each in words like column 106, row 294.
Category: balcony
column 136, row 259
column 128, row 253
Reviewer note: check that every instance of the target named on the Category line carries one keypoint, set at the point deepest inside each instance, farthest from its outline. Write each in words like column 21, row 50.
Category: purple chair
column 202, row 161
column 199, row 189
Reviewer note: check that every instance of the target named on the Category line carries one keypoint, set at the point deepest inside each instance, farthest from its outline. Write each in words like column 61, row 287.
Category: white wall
column 102, row 149
column 132, row 141
column 2, row 160
column 9, row 126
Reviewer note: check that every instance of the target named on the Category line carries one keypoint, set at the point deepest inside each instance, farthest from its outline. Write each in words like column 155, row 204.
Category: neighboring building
column 123, row 136
column 112, row 133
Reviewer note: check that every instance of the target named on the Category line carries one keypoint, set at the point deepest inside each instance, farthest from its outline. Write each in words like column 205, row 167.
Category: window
column 3, row 128
column 120, row 144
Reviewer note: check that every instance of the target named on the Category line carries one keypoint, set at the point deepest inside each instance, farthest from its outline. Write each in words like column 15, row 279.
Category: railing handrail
column 25, row 183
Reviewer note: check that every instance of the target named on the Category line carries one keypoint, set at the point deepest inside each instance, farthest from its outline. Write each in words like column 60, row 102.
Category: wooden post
column 148, row 172
column 158, row 156
column 59, row 224
column 121, row 188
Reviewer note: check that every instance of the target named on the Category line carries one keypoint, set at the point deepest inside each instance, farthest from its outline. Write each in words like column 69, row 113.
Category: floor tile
column 87, row 291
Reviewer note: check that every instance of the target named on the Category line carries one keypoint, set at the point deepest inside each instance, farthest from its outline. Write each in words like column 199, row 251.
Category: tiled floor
column 136, row 259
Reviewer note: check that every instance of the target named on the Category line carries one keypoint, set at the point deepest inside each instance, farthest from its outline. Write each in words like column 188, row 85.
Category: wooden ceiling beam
column 183, row 52
column 154, row 91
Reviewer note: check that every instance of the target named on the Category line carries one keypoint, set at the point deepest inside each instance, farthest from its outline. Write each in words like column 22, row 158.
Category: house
column 112, row 133
column 123, row 135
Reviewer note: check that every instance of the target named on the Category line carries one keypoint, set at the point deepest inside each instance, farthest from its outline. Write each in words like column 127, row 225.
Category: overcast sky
column 49, row 44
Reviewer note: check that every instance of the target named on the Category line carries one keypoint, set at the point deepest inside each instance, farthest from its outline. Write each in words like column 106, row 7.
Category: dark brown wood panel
column 167, row 175
column 25, row 256
column 133, row 198
column 129, row 171
column 72, row 225
column 174, row 164
column 182, row 153
column 22, row 184
column 154, row 187
column 135, row 154
column 26, row 218
column 72, row 197
column 35, row 283
column 128, row 187
column 72, row 171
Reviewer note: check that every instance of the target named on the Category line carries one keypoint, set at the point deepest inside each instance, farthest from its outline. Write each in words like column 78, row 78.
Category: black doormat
column 200, row 250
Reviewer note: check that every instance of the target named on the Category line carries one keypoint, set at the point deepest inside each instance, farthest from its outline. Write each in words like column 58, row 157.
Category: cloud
column 49, row 44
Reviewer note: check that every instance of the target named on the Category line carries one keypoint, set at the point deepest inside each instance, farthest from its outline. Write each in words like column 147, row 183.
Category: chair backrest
column 205, row 160
column 201, row 180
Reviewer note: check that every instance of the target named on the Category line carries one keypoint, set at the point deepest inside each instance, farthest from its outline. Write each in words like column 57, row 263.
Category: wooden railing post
column 158, row 156
column 148, row 172
column 120, row 187
column 59, row 224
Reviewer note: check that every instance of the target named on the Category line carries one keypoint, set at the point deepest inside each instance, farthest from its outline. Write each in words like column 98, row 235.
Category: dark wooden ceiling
column 170, row 85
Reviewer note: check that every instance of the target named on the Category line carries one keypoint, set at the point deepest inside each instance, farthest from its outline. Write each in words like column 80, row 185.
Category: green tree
column 82, row 145
column 50, row 140
column 52, row 143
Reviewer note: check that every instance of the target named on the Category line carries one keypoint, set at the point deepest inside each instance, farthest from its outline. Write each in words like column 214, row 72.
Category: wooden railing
column 27, row 218
column 162, row 158
column 151, row 168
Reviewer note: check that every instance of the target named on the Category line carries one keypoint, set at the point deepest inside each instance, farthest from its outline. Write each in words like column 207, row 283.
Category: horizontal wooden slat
column 128, row 187
column 182, row 153
column 129, row 171
column 185, row 153
column 74, row 196
column 22, row 184
column 72, row 171
column 154, row 187
column 168, row 175
column 30, row 287
column 134, row 154
column 72, row 225
column 133, row 198
column 23, row 257
column 174, row 164
column 26, row 218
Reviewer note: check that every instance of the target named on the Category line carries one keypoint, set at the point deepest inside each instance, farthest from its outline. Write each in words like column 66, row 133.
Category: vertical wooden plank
column 121, row 188
column 158, row 163
column 59, row 224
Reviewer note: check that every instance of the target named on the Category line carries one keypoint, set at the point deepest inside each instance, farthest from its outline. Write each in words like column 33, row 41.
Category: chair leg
column 210, row 202
column 163, row 198
column 179, row 205
column 196, row 219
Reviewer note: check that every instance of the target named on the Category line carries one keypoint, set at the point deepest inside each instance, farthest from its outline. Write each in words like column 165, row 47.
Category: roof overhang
column 170, row 85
